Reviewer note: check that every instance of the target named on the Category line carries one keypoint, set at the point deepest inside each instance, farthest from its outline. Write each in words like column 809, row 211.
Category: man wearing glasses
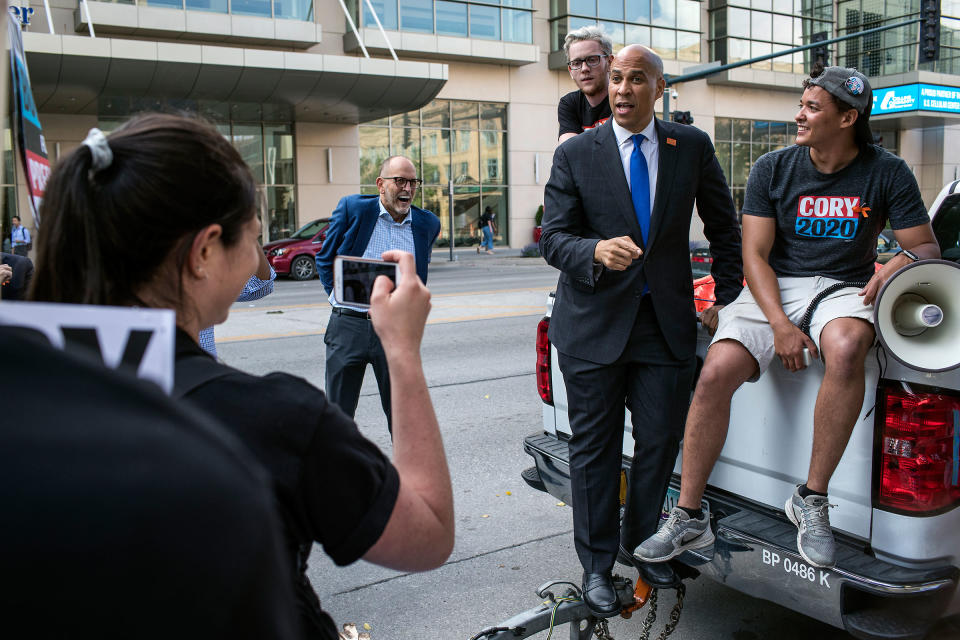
column 367, row 226
column 588, row 51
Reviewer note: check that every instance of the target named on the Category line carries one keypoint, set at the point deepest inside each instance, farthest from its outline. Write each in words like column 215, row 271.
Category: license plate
column 673, row 497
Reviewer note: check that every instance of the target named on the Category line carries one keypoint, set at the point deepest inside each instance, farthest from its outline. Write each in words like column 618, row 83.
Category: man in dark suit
column 366, row 226
column 617, row 212
column 21, row 273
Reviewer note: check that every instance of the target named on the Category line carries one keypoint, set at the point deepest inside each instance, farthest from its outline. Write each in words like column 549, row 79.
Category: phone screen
column 358, row 279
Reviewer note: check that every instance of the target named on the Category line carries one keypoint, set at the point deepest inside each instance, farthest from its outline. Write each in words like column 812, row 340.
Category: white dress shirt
column 650, row 150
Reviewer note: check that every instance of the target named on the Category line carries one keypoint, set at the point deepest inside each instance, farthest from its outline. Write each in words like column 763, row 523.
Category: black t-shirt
column 126, row 515
column 333, row 485
column 576, row 115
column 827, row 224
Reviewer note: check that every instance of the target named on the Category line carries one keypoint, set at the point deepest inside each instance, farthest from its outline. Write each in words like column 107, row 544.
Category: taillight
column 544, row 380
column 919, row 452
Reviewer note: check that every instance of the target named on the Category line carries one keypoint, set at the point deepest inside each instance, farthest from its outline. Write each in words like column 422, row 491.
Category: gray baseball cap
column 848, row 85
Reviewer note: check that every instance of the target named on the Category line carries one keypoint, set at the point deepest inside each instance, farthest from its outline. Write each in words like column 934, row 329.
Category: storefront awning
column 70, row 74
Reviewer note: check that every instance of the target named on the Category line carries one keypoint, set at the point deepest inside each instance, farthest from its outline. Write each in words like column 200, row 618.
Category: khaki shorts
column 743, row 321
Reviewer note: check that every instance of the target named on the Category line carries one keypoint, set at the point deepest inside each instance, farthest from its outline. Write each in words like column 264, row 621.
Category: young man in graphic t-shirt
column 811, row 218
column 589, row 51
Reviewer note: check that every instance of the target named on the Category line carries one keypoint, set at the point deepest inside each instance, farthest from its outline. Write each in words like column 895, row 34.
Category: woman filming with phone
column 177, row 188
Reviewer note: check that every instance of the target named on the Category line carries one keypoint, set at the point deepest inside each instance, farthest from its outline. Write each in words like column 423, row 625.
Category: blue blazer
column 352, row 225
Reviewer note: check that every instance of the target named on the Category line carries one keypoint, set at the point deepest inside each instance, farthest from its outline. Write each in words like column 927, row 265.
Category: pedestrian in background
column 179, row 182
column 488, row 228
column 20, row 237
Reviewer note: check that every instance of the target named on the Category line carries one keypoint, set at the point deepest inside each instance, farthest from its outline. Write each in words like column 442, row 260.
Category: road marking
column 326, row 305
column 525, row 311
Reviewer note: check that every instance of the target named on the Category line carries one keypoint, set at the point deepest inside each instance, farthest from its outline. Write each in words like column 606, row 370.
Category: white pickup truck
column 897, row 490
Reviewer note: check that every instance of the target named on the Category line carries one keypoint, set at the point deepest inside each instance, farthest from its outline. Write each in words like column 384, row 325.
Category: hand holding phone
column 353, row 279
column 399, row 312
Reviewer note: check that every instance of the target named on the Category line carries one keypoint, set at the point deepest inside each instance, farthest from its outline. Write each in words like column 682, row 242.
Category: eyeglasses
column 591, row 61
column 403, row 182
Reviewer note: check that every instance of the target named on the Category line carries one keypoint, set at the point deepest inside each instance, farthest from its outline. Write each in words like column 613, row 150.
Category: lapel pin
column 671, row 142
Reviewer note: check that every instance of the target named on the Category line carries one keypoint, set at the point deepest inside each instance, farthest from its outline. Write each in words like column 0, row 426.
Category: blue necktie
column 640, row 186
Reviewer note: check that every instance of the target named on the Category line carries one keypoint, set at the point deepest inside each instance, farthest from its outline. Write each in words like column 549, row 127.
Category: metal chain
column 674, row 613
column 651, row 615
column 602, row 630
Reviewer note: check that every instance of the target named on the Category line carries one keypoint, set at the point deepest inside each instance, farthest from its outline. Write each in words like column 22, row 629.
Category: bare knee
column 728, row 365
column 844, row 343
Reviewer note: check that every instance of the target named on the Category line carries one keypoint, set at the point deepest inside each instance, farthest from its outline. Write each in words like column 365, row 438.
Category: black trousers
column 351, row 345
column 655, row 386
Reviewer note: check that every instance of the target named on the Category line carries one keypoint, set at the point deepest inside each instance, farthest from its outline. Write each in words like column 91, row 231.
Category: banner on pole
column 29, row 133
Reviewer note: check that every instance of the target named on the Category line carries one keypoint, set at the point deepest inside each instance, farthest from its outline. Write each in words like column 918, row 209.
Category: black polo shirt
column 333, row 486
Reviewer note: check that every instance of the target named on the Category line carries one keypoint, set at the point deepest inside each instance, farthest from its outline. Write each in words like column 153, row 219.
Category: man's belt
column 343, row 311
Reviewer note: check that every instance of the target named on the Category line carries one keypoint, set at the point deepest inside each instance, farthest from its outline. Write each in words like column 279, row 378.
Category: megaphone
column 917, row 315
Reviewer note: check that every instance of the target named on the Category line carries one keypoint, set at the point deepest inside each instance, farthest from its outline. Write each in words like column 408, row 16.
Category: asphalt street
column 478, row 353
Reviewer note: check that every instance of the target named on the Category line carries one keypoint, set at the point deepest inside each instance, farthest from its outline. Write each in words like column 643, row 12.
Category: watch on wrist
column 910, row 254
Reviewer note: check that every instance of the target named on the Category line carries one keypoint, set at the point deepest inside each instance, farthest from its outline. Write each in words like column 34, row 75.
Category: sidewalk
column 468, row 256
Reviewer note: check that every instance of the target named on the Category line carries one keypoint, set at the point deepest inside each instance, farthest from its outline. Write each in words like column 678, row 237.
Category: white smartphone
column 353, row 279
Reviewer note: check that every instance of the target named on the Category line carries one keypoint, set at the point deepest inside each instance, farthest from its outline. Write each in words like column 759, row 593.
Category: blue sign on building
column 916, row 97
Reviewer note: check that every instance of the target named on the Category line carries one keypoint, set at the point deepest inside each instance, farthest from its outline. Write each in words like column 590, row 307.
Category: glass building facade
column 449, row 141
column 268, row 149
column 895, row 51
column 744, row 29
column 8, row 186
column 290, row 9
column 669, row 27
column 740, row 142
column 508, row 20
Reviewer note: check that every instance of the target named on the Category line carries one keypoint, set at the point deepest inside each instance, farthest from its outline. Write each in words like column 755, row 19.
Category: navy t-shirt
column 827, row 224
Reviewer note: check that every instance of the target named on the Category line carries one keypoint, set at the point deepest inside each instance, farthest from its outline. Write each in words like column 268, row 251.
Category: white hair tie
column 101, row 155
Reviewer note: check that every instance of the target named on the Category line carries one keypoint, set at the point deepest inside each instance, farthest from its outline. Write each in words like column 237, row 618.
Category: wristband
column 910, row 254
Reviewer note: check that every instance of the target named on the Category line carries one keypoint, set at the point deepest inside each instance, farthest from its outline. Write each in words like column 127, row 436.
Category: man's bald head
column 643, row 52
column 636, row 83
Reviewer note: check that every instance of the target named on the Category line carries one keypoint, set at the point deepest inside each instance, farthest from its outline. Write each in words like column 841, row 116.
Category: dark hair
column 862, row 135
column 15, row 218
column 107, row 233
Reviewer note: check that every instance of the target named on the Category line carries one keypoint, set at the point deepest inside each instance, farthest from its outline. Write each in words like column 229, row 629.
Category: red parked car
column 296, row 256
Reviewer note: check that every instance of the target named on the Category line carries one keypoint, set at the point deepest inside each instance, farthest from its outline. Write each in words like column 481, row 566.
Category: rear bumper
column 755, row 553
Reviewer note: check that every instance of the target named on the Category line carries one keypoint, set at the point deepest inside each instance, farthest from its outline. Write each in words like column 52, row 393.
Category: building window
column 507, row 20
column 744, row 29
column 291, row 9
column 268, row 149
column 893, row 51
column 740, row 142
column 8, row 187
column 449, row 141
column 669, row 27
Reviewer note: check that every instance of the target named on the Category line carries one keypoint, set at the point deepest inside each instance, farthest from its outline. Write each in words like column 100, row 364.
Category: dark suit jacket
column 352, row 225
column 22, row 267
column 587, row 199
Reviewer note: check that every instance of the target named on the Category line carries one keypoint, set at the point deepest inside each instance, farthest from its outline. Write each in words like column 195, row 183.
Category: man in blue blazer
column 366, row 226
